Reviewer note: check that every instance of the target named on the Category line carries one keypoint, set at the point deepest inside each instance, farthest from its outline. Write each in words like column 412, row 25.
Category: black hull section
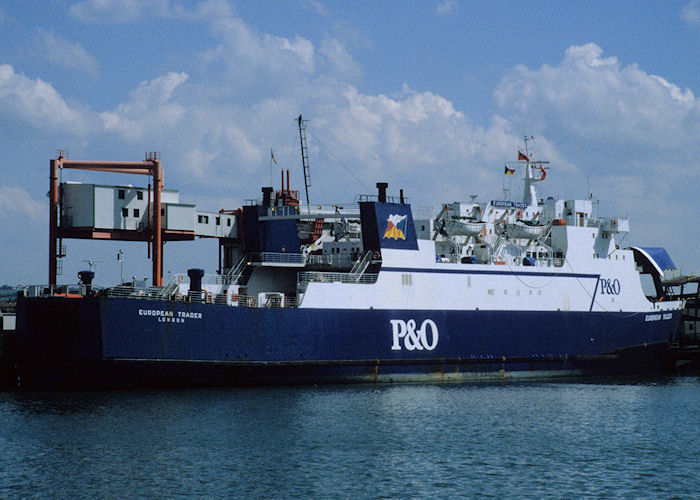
column 148, row 374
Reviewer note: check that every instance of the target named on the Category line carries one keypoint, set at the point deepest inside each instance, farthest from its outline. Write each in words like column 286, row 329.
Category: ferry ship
column 369, row 293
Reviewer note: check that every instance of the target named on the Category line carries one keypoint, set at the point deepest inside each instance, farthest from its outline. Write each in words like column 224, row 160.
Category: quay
column 685, row 350
column 8, row 371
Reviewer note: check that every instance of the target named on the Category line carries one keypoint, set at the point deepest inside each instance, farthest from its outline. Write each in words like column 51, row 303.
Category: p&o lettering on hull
column 610, row 286
column 406, row 336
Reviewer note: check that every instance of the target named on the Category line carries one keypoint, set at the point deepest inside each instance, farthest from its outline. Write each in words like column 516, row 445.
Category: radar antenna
column 93, row 264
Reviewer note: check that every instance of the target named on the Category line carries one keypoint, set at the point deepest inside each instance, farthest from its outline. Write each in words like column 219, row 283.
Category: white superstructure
column 534, row 255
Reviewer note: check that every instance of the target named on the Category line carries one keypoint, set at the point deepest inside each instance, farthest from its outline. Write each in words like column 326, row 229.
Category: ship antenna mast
column 305, row 159
column 529, row 192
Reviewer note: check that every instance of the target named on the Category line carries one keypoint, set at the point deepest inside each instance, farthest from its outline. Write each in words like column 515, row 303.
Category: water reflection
column 626, row 437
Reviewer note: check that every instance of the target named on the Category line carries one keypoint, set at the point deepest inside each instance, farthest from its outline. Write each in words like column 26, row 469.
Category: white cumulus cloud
column 38, row 103
column 120, row 11
column 244, row 50
column 691, row 12
column 597, row 98
column 341, row 61
column 63, row 53
column 149, row 108
column 16, row 201
column 446, row 7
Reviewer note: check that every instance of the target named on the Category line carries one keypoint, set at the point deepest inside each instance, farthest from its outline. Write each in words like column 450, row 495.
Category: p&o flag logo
column 396, row 227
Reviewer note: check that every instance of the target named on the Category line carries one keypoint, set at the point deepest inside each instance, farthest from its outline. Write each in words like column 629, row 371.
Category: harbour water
column 612, row 437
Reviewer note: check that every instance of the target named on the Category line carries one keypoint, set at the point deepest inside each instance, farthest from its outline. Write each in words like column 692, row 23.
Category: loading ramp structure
column 126, row 213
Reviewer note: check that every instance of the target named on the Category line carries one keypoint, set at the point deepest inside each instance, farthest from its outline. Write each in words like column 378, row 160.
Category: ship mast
column 305, row 159
column 525, row 139
column 530, row 193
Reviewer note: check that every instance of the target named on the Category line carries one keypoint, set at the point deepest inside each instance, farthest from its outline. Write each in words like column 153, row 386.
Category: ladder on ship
column 361, row 266
column 236, row 272
column 546, row 232
column 169, row 289
column 317, row 230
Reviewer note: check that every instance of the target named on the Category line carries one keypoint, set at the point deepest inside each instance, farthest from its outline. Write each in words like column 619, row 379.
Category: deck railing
column 279, row 258
column 155, row 293
column 268, row 302
column 44, row 290
column 324, row 277
column 328, row 259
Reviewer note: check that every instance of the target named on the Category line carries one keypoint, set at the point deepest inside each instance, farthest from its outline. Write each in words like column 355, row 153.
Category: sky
column 432, row 97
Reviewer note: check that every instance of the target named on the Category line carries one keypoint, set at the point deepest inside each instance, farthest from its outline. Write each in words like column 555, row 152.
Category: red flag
column 544, row 174
column 522, row 156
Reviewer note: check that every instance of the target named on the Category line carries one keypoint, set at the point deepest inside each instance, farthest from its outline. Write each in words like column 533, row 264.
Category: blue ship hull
column 98, row 341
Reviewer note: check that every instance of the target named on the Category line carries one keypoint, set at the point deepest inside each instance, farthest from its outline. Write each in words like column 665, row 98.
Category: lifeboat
column 525, row 230
column 464, row 226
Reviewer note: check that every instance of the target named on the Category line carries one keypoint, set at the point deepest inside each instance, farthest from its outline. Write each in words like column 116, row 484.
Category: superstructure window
column 136, row 212
column 139, row 195
column 218, row 221
column 125, row 212
column 203, row 219
column 121, row 194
